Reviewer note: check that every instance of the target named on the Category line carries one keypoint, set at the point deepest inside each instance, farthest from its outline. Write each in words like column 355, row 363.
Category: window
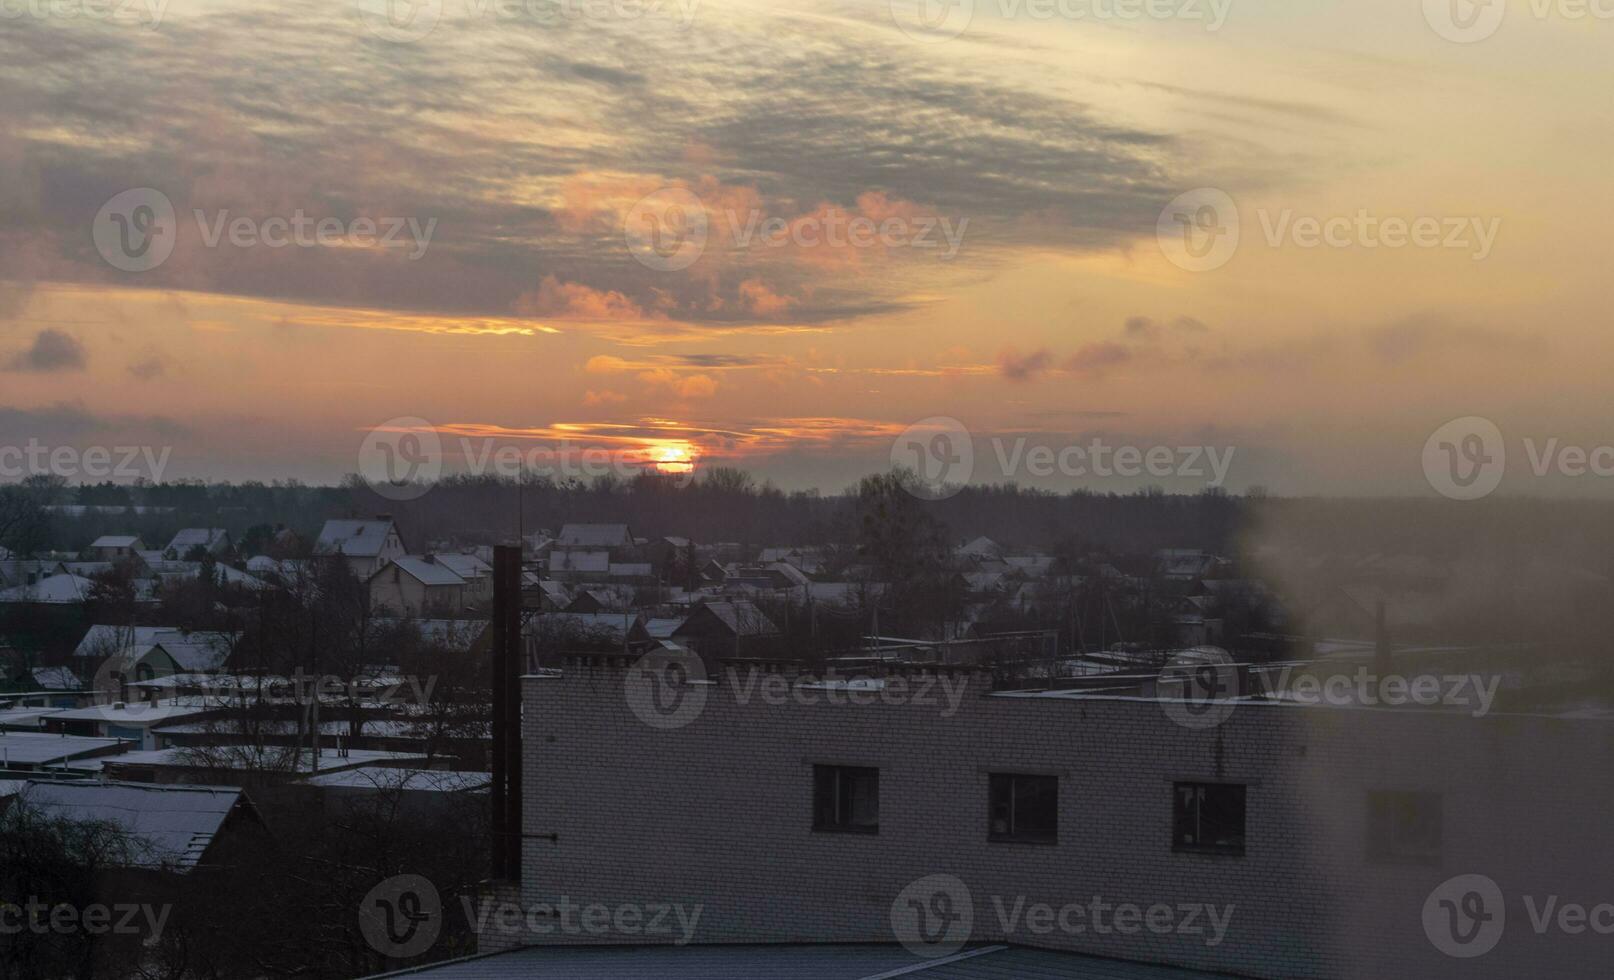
column 1404, row 827
column 846, row 798
column 1023, row 808
column 1208, row 817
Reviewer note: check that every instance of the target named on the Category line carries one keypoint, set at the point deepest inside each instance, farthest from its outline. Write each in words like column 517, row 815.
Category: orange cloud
column 573, row 299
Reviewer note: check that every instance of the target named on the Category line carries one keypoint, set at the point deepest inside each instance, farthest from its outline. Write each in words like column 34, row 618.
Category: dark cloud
column 482, row 126
column 72, row 419
column 148, row 369
column 1017, row 367
column 1096, row 358
column 1416, row 336
column 51, row 350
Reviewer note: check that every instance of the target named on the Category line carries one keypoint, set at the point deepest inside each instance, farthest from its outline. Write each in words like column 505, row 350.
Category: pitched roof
column 56, row 679
column 193, row 537
column 465, row 566
column 56, row 590
column 740, row 615
column 115, row 541
column 594, row 536
column 169, row 826
column 197, row 652
column 355, row 539
column 424, row 571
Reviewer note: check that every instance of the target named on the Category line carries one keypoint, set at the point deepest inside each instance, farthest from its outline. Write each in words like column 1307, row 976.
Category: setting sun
column 674, row 457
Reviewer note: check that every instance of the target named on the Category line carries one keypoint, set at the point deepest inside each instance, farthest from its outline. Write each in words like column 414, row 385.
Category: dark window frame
column 1195, row 815
column 836, row 813
column 1391, row 838
column 1013, row 790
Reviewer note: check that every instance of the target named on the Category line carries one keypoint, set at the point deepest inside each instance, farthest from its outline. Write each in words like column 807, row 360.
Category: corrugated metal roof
column 793, row 962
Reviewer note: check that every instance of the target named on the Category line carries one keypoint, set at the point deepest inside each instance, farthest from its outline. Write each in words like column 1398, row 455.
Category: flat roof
column 790, row 962
column 32, row 749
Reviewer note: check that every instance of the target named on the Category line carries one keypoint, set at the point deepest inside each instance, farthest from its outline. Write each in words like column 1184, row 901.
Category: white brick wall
column 718, row 813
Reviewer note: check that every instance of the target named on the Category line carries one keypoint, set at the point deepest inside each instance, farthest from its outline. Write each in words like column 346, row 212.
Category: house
column 728, row 628
column 171, row 828
column 164, row 649
column 212, row 540
column 592, row 537
column 981, row 548
column 576, row 566
column 367, row 545
column 416, row 587
column 56, row 590
column 116, row 547
column 561, row 633
column 476, row 572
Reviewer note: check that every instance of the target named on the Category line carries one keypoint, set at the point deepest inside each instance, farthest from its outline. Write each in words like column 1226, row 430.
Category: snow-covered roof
column 355, row 539
column 115, row 541
column 194, row 651
column 594, row 536
column 64, row 589
column 425, row 571
column 412, row 780
column 168, row 826
column 465, row 566
column 210, row 538
column 34, row 749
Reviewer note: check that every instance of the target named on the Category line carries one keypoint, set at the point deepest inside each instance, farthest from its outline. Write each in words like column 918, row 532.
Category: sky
column 802, row 238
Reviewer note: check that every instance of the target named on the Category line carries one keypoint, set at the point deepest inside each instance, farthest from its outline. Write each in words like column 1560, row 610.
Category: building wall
column 718, row 813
